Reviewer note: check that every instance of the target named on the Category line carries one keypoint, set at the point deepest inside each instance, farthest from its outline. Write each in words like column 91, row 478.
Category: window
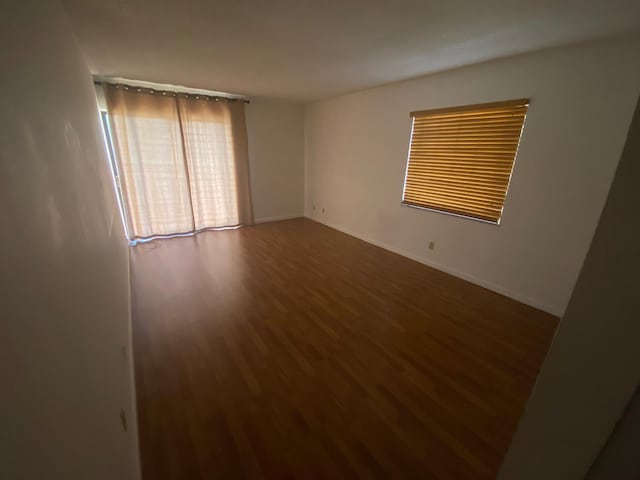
column 115, row 174
column 179, row 160
column 461, row 158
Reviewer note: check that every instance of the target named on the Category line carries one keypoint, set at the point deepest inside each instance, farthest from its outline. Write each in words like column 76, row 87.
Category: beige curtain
column 183, row 161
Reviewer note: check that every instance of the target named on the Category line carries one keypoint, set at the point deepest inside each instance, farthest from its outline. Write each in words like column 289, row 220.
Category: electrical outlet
column 123, row 419
column 432, row 245
column 314, row 206
column 322, row 209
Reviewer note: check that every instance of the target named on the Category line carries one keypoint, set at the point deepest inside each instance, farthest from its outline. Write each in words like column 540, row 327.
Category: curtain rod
column 164, row 92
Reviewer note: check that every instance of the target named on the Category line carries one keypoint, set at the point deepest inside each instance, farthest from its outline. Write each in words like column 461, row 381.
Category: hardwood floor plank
column 291, row 350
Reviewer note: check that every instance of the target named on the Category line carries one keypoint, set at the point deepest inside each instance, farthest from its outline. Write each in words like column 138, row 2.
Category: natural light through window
column 461, row 158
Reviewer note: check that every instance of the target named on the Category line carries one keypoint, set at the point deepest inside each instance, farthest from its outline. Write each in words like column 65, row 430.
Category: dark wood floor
column 291, row 350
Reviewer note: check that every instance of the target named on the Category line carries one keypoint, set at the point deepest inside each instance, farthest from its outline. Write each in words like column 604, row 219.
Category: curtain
column 183, row 161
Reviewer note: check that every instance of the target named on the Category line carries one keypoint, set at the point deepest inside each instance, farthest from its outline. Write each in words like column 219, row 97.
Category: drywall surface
column 582, row 99
column 64, row 283
column 276, row 155
column 619, row 458
column 306, row 49
column 593, row 366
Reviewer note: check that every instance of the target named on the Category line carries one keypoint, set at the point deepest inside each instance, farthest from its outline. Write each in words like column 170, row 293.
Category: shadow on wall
column 65, row 305
column 593, row 366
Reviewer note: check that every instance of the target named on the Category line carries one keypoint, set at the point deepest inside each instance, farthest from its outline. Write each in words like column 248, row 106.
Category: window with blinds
column 461, row 158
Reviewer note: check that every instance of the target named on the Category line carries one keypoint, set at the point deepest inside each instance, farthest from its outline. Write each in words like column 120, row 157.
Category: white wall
column 582, row 99
column 619, row 459
column 276, row 154
column 65, row 282
column 593, row 366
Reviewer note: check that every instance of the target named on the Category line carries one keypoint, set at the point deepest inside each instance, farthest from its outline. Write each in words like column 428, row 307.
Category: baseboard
column 545, row 307
column 277, row 219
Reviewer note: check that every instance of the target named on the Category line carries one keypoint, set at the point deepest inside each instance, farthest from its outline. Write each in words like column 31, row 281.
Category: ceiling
column 305, row 50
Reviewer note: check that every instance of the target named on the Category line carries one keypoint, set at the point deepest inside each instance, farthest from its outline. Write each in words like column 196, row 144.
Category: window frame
column 463, row 108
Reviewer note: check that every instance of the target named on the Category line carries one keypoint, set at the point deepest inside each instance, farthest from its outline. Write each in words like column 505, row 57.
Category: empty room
column 320, row 240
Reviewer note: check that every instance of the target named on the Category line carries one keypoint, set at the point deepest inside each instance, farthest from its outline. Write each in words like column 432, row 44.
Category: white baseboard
column 552, row 309
column 276, row 219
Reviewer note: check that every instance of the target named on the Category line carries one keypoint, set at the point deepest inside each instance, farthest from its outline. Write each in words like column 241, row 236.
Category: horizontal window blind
column 461, row 158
